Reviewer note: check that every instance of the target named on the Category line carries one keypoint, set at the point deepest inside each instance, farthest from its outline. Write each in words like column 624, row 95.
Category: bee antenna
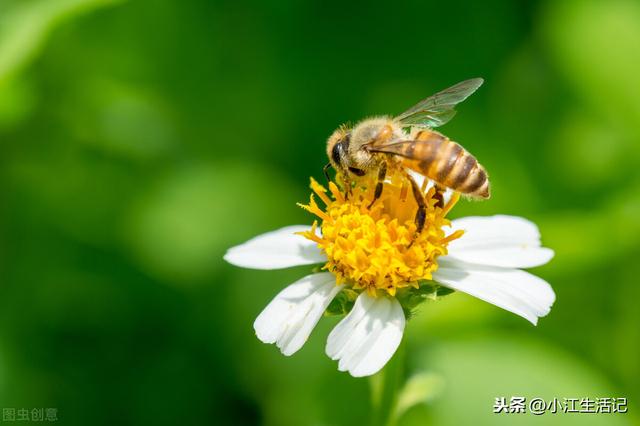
column 325, row 170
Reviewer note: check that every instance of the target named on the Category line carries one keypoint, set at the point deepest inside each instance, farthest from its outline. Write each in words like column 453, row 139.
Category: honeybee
column 408, row 141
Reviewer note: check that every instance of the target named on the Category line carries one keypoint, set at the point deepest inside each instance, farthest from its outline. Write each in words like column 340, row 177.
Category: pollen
column 377, row 248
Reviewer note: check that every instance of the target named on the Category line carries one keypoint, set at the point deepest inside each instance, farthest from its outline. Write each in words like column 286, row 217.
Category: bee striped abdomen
column 447, row 163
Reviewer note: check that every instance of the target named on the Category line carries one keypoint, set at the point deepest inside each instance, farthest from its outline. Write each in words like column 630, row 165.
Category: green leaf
column 418, row 389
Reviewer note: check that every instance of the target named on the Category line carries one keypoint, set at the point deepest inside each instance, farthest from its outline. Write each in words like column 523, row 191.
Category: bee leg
column 439, row 195
column 404, row 190
column 421, row 214
column 347, row 186
column 347, row 179
column 382, row 173
column 325, row 170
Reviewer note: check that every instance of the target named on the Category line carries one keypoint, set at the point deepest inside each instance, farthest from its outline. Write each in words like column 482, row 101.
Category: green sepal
column 342, row 303
column 317, row 269
column 411, row 298
column 444, row 291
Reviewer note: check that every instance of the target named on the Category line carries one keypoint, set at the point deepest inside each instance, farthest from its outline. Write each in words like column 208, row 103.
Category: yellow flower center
column 377, row 248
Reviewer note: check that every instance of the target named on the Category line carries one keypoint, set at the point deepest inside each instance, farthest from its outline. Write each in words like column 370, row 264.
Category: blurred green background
column 140, row 139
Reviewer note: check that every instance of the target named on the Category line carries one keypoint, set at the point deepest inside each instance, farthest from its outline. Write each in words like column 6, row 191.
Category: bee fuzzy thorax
column 373, row 131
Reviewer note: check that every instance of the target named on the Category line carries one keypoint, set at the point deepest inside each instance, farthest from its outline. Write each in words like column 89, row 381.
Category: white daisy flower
column 377, row 267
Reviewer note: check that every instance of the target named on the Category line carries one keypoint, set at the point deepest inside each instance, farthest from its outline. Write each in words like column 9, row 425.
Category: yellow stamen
column 454, row 236
column 337, row 195
column 377, row 249
column 311, row 234
column 321, row 191
column 312, row 207
column 452, row 202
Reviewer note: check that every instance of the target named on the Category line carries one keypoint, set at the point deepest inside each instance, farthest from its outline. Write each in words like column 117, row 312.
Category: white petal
column 507, row 241
column 446, row 196
column 290, row 317
column 368, row 336
column 276, row 249
column 516, row 291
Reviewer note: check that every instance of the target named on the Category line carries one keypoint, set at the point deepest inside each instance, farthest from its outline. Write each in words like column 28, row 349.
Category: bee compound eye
column 336, row 153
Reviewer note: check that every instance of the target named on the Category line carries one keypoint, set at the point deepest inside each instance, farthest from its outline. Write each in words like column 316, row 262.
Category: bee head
column 338, row 148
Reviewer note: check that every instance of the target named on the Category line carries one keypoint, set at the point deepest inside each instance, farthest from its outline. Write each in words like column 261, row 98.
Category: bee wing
column 438, row 109
column 418, row 154
column 404, row 149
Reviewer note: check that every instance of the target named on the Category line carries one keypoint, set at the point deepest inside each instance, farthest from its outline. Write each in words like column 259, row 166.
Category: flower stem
column 384, row 389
